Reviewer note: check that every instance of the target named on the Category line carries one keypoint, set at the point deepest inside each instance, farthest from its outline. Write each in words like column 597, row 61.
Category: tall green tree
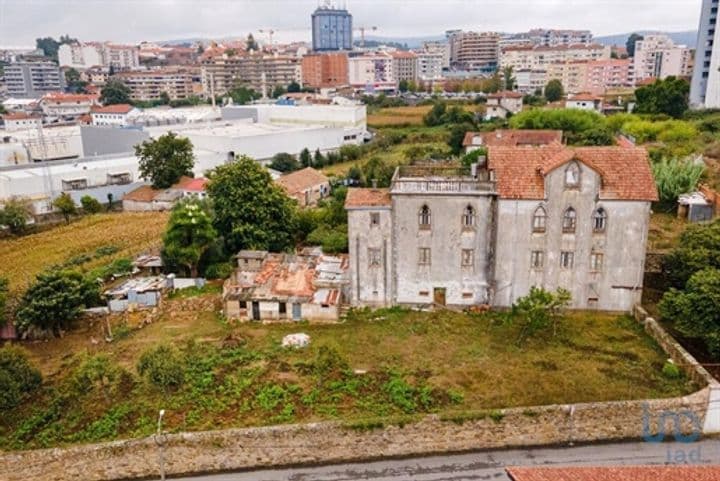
column 668, row 96
column 630, row 44
column 251, row 211
column 698, row 248
column 115, row 92
column 293, row 87
column 305, row 157
column 508, row 79
column 50, row 46
column 55, row 299
column 695, row 311
column 251, row 44
column 73, row 81
column 554, row 90
column 242, row 95
column 164, row 160
column 189, row 234
column 66, row 205
column 403, row 85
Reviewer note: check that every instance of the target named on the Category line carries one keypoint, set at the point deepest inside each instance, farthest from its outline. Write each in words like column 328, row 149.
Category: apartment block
column 532, row 58
column 82, row 56
column 331, row 29
column 373, row 71
column 177, row 83
column 33, row 79
column 258, row 71
column 705, row 87
column 405, row 65
column 657, row 56
column 554, row 38
column 430, row 65
column 474, row 51
column 323, row 70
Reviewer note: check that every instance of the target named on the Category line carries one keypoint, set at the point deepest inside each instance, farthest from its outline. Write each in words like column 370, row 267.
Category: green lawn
column 376, row 365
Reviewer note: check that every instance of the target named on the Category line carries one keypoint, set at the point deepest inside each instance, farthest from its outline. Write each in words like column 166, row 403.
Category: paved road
column 488, row 465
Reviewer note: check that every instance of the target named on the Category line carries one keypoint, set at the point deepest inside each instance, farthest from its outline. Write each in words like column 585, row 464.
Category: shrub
column 17, row 376
column 671, row 371
column 573, row 121
column 538, row 311
column 675, row 177
column 95, row 373
column 163, row 367
column 284, row 162
column 698, row 248
column 90, row 205
column 220, row 270
column 350, row 152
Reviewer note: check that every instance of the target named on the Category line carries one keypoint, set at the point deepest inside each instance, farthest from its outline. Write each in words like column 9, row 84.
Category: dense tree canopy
column 581, row 127
column 50, row 46
column 55, row 299
column 189, row 234
column 668, row 96
column 115, row 92
column 284, row 162
column 696, row 310
column 554, row 90
column 251, row 211
column 630, row 44
column 17, row 376
column 164, row 160
column 698, row 248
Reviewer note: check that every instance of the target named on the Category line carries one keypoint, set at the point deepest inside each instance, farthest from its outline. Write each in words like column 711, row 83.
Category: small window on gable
column 569, row 220
column 539, row 222
column 600, row 220
column 468, row 218
column 424, row 217
column 572, row 175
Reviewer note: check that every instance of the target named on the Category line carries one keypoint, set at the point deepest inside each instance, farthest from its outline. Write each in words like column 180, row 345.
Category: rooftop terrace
column 443, row 179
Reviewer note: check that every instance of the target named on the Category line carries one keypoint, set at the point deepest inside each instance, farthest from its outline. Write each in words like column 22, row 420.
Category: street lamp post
column 160, row 440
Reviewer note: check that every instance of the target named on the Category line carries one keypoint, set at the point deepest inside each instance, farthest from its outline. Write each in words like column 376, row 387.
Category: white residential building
column 533, row 58
column 21, row 121
column 372, row 71
column 430, row 65
column 529, row 81
column 657, row 56
column 705, row 88
column 501, row 104
column 62, row 106
column 112, row 115
column 82, row 56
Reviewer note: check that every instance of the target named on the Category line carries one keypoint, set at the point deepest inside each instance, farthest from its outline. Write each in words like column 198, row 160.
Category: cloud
column 21, row 21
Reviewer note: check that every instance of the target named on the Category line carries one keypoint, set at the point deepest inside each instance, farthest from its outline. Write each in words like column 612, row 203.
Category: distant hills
column 688, row 38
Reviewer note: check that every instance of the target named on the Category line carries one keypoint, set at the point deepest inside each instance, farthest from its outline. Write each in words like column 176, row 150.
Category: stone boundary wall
column 332, row 442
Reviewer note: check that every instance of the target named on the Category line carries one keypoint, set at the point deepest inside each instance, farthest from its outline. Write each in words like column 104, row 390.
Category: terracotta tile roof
column 19, row 116
column 144, row 193
column 617, row 473
column 196, row 185
column 512, row 138
column 183, row 182
column 298, row 181
column 506, row 94
column 367, row 198
column 113, row 109
column 63, row 97
column 403, row 54
column 584, row 96
column 520, row 171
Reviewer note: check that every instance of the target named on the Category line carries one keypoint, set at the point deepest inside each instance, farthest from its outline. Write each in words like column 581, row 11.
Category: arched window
column 572, row 175
column 468, row 218
column 600, row 220
column 424, row 217
column 539, row 221
column 569, row 220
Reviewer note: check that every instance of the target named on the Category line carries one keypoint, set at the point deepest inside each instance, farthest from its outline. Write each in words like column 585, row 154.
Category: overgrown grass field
column 105, row 236
column 375, row 367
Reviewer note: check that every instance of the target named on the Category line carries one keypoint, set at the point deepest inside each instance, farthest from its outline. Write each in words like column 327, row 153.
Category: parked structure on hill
column 549, row 216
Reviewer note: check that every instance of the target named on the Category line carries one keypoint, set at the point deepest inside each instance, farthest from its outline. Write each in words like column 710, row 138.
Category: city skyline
column 430, row 18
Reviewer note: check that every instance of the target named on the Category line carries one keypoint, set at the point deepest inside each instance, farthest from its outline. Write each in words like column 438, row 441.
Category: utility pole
column 161, row 441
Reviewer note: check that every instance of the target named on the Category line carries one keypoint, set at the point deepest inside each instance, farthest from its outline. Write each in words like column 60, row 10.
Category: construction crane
column 362, row 34
column 269, row 32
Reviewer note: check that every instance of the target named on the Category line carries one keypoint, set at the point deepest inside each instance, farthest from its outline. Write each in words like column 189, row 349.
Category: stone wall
column 237, row 449
column 206, row 452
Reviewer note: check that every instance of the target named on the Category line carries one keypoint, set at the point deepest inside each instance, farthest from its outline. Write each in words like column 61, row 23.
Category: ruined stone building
column 550, row 216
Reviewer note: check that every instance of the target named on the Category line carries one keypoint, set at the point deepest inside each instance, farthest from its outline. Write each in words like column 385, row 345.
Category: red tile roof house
column 307, row 186
column 549, row 216
column 145, row 198
column 511, row 138
column 112, row 115
column 500, row 104
column 21, row 121
column 284, row 287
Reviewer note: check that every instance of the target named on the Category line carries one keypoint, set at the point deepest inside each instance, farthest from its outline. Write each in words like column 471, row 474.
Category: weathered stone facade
column 545, row 216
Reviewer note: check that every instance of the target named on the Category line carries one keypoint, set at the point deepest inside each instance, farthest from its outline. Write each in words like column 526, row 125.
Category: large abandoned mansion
column 550, row 216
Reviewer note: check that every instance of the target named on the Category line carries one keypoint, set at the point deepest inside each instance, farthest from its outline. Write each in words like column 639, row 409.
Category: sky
column 132, row 21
